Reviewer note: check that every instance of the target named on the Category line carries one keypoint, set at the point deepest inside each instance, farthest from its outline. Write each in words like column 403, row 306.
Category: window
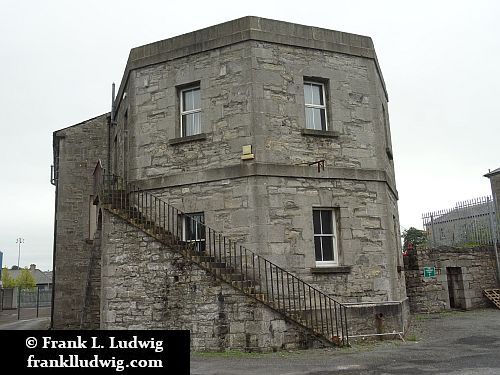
column 315, row 102
column 325, row 237
column 190, row 111
column 194, row 230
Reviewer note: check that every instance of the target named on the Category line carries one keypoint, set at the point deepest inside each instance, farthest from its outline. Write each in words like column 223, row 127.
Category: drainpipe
column 55, row 147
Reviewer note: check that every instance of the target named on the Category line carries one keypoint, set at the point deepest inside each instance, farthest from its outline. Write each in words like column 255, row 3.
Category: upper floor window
column 315, row 102
column 190, row 106
column 325, row 237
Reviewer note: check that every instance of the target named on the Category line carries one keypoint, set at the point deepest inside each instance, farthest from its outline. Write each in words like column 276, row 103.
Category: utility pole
column 19, row 241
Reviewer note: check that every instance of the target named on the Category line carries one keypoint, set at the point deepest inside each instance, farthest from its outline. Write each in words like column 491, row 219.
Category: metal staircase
column 228, row 261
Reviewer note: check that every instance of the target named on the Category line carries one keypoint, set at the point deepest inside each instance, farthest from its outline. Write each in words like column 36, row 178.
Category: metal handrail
column 224, row 258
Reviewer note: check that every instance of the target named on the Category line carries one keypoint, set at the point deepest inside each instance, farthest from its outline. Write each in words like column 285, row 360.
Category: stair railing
column 233, row 263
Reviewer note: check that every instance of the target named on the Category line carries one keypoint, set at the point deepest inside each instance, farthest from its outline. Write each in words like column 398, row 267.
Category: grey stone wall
column 147, row 286
column 225, row 81
column 251, row 73
column 385, row 318
column 273, row 216
column 252, row 93
column 477, row 272
column 79, row 147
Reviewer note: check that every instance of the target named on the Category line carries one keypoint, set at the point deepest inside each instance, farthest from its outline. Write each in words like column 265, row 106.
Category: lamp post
column 19, row 241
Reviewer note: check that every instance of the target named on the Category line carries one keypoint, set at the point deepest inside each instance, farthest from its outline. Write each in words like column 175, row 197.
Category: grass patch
column 436, row 315
column 241, row 354
column 228, row 354
column 411, row 337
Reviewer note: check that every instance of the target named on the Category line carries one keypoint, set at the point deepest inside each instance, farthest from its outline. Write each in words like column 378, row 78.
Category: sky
column 58, row 60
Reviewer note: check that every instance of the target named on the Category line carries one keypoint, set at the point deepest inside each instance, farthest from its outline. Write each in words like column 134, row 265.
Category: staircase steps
column 242, row 269
column 493, row 295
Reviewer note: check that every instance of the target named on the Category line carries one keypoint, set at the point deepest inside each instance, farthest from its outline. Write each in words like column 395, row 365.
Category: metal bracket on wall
column 319, row 163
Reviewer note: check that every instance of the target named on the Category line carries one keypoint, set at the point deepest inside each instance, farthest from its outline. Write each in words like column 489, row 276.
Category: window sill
column 320, row 133
column 334, row 269
column 191, row 138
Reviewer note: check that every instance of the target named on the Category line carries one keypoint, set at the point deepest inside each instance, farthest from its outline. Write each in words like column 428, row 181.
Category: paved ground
column 449, row 343
column 28, row 319
column 36, row 323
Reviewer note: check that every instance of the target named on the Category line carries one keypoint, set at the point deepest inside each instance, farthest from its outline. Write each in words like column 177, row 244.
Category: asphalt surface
column 37, row 323
column 28, row 319
column 448, row 343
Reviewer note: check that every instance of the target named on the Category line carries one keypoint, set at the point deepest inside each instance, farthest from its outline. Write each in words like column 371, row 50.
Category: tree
column 414, row 238
column 25, row 280
column 7, row 280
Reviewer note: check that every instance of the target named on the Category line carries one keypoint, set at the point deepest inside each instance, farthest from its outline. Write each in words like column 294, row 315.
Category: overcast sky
column 440, row 61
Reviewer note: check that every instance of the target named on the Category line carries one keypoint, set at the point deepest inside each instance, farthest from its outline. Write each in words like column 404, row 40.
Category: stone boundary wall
column 378, row 318
column 431, row 294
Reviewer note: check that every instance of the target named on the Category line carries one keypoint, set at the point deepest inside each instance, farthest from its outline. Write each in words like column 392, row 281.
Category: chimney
column 32, row 267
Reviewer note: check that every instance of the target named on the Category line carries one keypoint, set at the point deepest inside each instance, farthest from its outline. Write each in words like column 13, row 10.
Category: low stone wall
column 474, row 269
column 367, row 319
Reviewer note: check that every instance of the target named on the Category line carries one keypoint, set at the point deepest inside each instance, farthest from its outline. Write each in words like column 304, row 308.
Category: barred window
column 194, row 230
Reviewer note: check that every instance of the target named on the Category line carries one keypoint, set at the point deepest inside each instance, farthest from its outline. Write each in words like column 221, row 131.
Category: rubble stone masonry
column 475, row 269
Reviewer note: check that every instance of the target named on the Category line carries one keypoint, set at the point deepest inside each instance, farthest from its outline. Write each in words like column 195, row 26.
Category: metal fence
column 34, row 297
column 18, row 304
column 470, row 223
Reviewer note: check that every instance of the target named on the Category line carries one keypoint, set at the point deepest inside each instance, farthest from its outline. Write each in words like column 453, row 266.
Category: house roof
column 492, row 173
column 39, row 276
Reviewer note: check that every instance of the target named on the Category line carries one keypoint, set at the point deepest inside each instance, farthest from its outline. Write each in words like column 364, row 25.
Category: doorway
column 455, row 287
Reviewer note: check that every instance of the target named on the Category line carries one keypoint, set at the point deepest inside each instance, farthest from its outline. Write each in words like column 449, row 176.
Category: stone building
column 494, row 177
column 275, row 135
column 450, row 278
column 468, row 223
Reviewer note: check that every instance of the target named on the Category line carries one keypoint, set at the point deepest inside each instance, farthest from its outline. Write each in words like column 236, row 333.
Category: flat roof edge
column 249, row 28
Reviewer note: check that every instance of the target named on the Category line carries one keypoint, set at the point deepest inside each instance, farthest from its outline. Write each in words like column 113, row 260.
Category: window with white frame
column 190, row 106
column 193, row 230
column 315, row 102
column 325, row 237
